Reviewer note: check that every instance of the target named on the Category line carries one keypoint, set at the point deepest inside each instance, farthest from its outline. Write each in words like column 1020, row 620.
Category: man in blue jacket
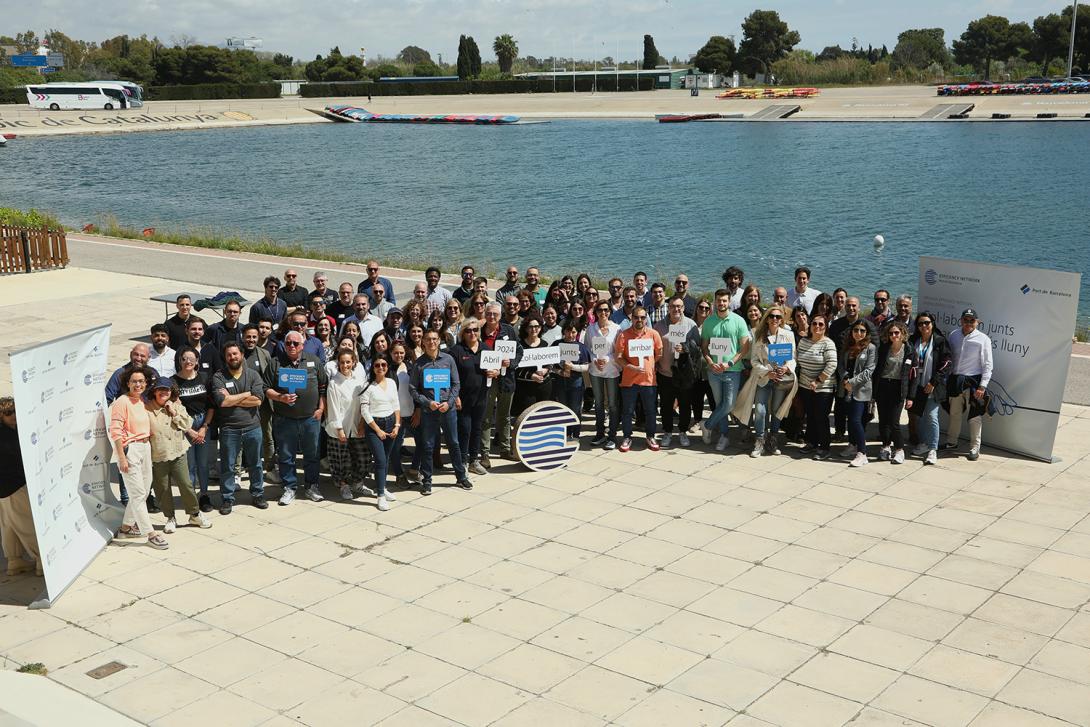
column 437, row 412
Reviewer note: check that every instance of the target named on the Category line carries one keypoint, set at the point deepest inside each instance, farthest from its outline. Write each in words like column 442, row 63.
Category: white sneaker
column 346, row 492
column 288, row 497
column 382, row 504
column 171, row 526
column 314, row 494
column 898, row 457
column 849, row 452
column 705, row 433
column 920, row 450
column 272, row 477
column 883, row 454
column 363, row 490
column 860, row 460
column 666, row 439
column 723, row 443
column 390, row 497
column 198, row 520
column 757, row 450
column 932, row 457
column 683, row 439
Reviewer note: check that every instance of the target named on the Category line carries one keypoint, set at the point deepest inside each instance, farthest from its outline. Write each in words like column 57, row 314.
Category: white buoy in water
column 879, row 242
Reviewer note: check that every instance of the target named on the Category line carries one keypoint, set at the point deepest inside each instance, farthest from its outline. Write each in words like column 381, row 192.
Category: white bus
column 107, row 95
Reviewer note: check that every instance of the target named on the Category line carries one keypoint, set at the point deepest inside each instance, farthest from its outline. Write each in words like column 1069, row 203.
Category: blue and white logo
column 931, row 277
column 541, row 441
column 1025, row 289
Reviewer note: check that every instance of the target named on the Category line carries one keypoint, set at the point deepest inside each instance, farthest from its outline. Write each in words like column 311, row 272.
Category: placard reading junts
column 780, row 353
column 293, row 379
column 539, row 357
column 722, row 349
column 569, row 352
column 541, row 436
column 641, row 348
column 436, row 380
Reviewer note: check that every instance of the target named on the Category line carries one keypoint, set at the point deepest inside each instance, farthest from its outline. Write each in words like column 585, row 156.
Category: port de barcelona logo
column 541, row 441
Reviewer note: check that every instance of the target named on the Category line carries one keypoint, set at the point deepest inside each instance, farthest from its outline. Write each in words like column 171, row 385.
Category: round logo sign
column 541, row 441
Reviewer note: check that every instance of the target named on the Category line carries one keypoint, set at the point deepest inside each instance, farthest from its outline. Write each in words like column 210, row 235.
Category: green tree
column 1051, row 35
column 412, row 55
column 831, row 53
column 1082, row 35
column 716, row 56
column 989, row 39
column 474, row 57
column 920, row 48
column 386, row 70
column 765, row 38
column 506, row 49
column 650, row 52
column 28, row 42
column 426, row 69
column 463, row 58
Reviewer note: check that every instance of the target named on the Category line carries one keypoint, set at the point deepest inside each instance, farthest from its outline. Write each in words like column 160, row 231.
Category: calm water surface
column 601, row 196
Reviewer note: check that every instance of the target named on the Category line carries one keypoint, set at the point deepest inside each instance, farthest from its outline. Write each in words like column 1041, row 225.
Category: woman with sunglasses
column 770, row 381
column 169, row 424
column 701, row 389
column 452, row 321
column 472, row 396
column 130, row 432
column 532, row 384
column 934, row 365
column 605, row 375
column 380, row 407
column 399, row 370
column 474, row 307
column 895, row 370
column 816, row 361
column 855, row 369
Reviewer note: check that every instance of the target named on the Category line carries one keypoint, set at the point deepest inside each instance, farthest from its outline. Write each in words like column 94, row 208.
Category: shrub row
column 452, row 88
column 206, row 91
column 13, row 95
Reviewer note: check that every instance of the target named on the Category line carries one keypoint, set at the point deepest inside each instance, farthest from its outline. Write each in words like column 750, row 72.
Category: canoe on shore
column 355, row 114
column 752, row 93
column 682, row 118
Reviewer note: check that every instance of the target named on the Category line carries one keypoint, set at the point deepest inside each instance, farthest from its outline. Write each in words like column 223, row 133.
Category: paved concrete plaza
column 684, row 587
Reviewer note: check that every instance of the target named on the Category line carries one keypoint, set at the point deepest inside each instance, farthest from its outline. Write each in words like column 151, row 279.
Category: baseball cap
column 394, row 312
column 969, row 313
column 163, row 382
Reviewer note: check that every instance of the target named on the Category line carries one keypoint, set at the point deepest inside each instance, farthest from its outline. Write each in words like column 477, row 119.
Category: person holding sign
column 725, row 343
column 296, row 383
column 677, row 369
column 772, row 357
column 434, row 384
column 638, row 350
column 473, row 395
column 499, row 337
column 532, row 381
column 605, row 374
column 568, row 386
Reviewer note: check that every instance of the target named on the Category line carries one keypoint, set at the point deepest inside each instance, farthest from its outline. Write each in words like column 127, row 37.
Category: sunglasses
column 924, row 323
column 379, row 365
column 880, row 300
column 299, row 324
column 291, row 276
column 372, row 270
column 473, row 330
column 291, row 344
column 817, row 325
column 776, row 317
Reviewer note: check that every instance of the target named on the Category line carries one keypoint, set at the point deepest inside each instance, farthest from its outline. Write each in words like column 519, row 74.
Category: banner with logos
column 1029, row 315
column 62, row 418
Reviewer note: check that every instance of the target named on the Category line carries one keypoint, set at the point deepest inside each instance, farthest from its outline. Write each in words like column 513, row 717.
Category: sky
column 304, row 28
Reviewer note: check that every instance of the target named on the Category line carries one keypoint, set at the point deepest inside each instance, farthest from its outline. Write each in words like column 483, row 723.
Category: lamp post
column 1071, row 48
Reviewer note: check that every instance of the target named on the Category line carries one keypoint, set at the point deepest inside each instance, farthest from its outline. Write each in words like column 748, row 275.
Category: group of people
column 341, row 376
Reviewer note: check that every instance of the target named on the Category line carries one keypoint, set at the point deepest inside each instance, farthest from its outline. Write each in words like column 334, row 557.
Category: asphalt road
column 215, row 270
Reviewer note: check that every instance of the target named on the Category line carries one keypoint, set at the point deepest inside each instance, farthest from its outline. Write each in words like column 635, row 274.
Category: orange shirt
column 646, row 376
column 129, row 421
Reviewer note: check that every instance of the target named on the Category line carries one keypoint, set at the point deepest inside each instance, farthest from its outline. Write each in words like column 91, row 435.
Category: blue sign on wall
column 28, row 60
column 292, row 379
column 436, row 380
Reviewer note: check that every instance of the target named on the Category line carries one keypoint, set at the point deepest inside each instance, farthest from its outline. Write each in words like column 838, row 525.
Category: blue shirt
column 366, row 285
column 273, row 311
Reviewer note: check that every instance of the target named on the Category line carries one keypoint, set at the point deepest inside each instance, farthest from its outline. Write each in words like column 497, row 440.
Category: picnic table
column 167, row 298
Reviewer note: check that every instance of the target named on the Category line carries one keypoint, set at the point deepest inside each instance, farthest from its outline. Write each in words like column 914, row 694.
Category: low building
column 664, row 77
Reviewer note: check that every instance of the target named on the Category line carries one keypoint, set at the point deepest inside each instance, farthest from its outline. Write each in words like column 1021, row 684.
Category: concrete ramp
column 946, row 110
column 776, row 111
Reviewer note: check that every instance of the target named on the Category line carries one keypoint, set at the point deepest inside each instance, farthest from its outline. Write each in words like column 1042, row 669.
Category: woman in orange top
column 638, row 375
column 130, row 430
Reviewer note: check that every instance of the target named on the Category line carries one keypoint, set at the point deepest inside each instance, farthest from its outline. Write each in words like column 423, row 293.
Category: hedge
column 452, row 88
column 13, row 95
column 206, row 91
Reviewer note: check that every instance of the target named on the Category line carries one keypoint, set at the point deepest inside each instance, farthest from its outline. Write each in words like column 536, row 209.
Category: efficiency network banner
column 60, row 405
column 1029, row 314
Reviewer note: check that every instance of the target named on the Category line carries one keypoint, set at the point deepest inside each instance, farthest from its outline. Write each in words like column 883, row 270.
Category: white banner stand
column 61, row 408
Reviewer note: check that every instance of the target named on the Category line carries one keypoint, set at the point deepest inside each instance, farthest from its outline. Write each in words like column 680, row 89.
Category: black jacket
column 908, row 367
column 942, row 360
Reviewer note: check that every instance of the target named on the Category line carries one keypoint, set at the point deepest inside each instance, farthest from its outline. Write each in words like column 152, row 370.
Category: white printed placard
column 722, row 349
column 507, row 348
column 641, row 348
column 491, row 360
column 600, row 348
column 676, row 333
column 569, row 352
column 539, row 357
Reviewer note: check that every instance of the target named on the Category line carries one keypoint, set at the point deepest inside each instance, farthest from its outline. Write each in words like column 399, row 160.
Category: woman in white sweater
column 380, row 407
column 348, row 452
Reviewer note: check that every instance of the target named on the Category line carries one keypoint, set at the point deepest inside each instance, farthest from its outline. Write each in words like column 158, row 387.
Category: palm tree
column 506, row 49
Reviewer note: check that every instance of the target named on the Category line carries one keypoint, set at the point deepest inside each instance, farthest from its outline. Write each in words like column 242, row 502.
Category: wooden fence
column 26, row 249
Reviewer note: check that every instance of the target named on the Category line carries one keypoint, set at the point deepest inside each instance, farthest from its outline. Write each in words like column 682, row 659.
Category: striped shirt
column 814, row 358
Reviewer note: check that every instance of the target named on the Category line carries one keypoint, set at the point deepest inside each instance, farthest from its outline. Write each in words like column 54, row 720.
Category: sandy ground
column 892, row 103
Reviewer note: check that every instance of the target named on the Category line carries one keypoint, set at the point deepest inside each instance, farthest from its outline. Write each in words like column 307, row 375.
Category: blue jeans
column 431, row 423
column 381, row 451
column 231, row 440
column 857, row 433
column 761, row 407
column 470, row 423
column 646, row 395
column 607, row 396
column 196, row 457
column 724, row 388
column 393, row 463
column 293, row 436
column 570, row 396
column 928, row 425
